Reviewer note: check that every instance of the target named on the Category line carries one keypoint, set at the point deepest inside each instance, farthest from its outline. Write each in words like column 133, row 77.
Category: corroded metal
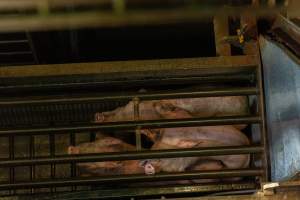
column 207, row 65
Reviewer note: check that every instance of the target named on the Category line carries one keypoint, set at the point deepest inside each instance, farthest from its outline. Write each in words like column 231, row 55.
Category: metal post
column 136, row 103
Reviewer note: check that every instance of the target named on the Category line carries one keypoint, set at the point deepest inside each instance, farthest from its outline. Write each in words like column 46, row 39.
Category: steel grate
column 52, row 123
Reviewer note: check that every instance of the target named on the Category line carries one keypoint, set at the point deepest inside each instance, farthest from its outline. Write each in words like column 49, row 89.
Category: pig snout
column 73, row 150
column 99, row 117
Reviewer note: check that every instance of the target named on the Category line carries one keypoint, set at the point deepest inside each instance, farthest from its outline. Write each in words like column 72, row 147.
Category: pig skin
column 197, row 107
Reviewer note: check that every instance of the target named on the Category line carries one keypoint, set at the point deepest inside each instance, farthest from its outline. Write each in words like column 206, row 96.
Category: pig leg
column 207, row 165
column 101, row 168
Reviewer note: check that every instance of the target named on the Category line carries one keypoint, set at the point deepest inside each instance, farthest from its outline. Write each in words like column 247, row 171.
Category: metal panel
column 282, row 92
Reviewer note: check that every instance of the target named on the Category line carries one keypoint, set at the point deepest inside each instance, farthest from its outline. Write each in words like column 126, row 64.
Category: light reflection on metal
column 282, row 92
column 49, row 14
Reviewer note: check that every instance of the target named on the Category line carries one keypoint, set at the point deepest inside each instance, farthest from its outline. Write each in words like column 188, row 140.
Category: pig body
column 205, row 136
column 106, row 145
column 197, row 107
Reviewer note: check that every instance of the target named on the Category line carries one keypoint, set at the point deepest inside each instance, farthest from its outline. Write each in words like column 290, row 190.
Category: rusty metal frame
column 45, row 19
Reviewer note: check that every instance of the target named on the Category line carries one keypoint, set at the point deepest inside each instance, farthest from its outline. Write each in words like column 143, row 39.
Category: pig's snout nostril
column 99, row 117
column 73, row 150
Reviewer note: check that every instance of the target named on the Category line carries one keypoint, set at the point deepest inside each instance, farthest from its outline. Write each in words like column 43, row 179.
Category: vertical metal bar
column 73, row 164
column 136, row 103
column 31, row 154
column 221, row 29
column 32, row 48
column 52, row 154
column 11, row 156
column 92, row 136
column 263, row 128
column 250, row 49
column 119, row 6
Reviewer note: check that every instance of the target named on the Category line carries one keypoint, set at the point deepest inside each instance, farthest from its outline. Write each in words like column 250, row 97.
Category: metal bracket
column 269, row 188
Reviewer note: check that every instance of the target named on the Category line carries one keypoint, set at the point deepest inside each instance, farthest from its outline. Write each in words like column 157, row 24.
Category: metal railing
column 53, row 160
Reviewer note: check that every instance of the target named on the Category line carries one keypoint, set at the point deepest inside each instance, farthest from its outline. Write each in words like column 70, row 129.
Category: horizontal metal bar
column 21, row 84
column 147, row 191
column 13, row 53
column 210, row 65
column 135, row 178
column 194, row 152
column 58, row 21
column 33, row 4
column 141, row 96
column 163, row 123
column 13, row 41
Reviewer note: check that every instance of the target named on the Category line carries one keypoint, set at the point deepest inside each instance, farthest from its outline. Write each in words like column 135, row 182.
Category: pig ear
column 168, row 110
column 73, row 150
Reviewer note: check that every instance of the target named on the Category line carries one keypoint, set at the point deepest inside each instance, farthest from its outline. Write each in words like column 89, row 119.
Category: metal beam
column 207, row 64
column 145, row 191
column 60, row 21
column 128, row 97
column 164, row 123
column 135, row 178
column 194, row 152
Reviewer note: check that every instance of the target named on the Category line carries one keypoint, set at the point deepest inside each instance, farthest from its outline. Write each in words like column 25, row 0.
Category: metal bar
column 218, row 64
column 59, row 21
column 221, row 30
column 136, row 109
column 32, row 47
column 163, row 123
column 137, row 178
column 141, row 96
column 11, row 157
column 31, row 154
column 15, row 53
column 13, row 41
column 263, row 128
column 152, row 191
column 32, row 4
column 73, row 164
column 193, row 152
column 52, row 155
column 228, row 78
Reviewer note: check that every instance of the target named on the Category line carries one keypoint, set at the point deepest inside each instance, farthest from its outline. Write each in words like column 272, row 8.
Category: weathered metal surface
column 45, row 20
column 141, row 192
column 130, row 125
column 220, row 65
column 287, row 33
column 127, row 97
column 135, row 155
column 135, row 178
column 208, row 65
column 221, row 30
column 287, row 26
column 282, row 89
column 292, row 195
